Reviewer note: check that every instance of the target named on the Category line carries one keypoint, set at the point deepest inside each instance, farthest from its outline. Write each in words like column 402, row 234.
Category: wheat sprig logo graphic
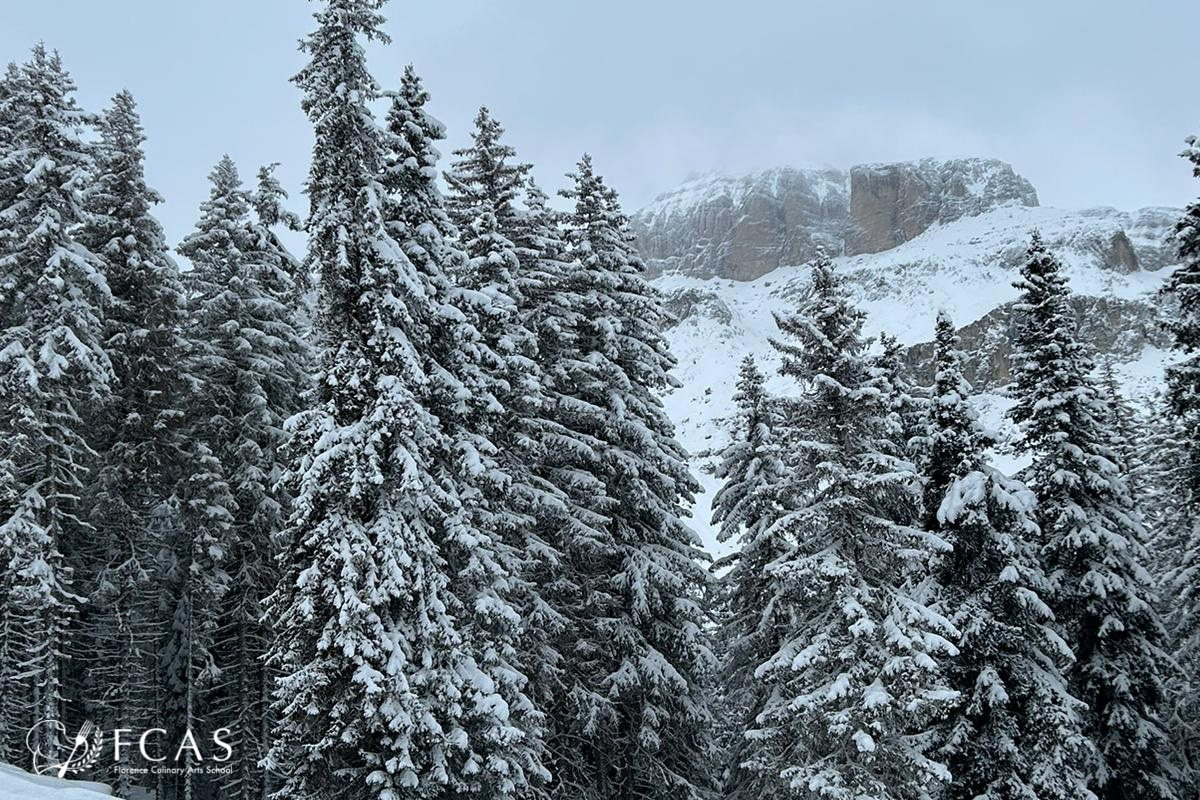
column 84, row 752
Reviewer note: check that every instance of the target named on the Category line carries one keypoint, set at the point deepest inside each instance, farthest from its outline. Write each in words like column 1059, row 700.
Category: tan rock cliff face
column 893, row 203
column 744, row 227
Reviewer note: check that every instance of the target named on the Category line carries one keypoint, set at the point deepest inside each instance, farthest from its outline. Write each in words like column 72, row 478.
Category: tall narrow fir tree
column 1093, row 543
column 1016, row 730
column 857, row 680
column 746, row 508
column 632, row 719
column 1180, row 533
column 53, row 367
column 139, row 437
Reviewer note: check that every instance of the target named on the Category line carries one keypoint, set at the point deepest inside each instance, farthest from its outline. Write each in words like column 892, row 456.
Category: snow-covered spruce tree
column 10, row 114
column 1015, row 732
column 512, row 288
column 1166, row 504
column 903, row 400
column 1171, row 521
column 379, row 693
column 632, row 719
column 138, row 437
column 552, row 310
column 1180, row 532
column 1183, row 378
column 1129, row 427
column 52, row 368
column 364, row 644
column 200, row 546
column 746, row 508
column 484, row 187
column 478, row 390
column 857, row 681
column 1092, row 542
column 485, row 178
column 267, row 200
column 12, row 632
column 249, row 365
column 550, row 293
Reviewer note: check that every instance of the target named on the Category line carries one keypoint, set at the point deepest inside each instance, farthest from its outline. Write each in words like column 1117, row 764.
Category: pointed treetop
column 825, row 335
column 268, row 198
column 1042, row 276
column 219, row 230
column 224, row 175
column 485, row 178
column 413, row 132
column 956, row 439
column 121, row 177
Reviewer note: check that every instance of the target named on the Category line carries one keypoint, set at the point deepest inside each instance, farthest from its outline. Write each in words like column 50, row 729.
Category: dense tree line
column 902, row 620
column 404, row 515
column 407, row 515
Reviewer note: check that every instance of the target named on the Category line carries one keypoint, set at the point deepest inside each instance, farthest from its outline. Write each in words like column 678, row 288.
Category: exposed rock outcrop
column 1148, row 233
column 893, row 203
column 1114, row 328
column 689, row 302
column 742, row 228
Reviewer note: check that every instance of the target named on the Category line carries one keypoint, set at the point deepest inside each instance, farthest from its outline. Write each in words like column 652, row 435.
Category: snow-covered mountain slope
column 16, row 784
column 966, row 266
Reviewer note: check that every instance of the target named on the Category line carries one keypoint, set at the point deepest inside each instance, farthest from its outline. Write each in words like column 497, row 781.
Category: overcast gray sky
column 1090, row 100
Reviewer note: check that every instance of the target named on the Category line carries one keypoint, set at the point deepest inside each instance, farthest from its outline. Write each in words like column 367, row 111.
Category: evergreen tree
column 856, row 682
column 632, row 720
column 552, row 301
column 251, row 364
column 14, row 638
column 1093, row 542
column 485, row 179
column 201, row 545
column 267, row 200
column 1016, row 731
column 138, row 434
column 381, row 693
column 1171, row 521
column 511, row 274
column 1181, row 523
column 53, row 366
column 1183, row 377
column 903, row 401
column 552, row 311
column 745, row 509
column 482, row 390
column 11, row 113
column 1127, row 425
column 365, row 645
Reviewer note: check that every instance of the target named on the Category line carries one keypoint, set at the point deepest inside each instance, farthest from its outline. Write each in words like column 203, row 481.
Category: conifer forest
column 407, row 513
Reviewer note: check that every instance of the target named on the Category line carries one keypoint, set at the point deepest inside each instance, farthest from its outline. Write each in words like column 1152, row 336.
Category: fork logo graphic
column 82, row 751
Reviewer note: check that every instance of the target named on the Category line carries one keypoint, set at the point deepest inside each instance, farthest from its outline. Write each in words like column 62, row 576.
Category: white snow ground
column 960, row 266
column 16, row 784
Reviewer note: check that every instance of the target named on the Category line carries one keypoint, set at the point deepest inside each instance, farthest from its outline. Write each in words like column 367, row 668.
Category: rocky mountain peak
column 744, row 227
column 891, row 204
